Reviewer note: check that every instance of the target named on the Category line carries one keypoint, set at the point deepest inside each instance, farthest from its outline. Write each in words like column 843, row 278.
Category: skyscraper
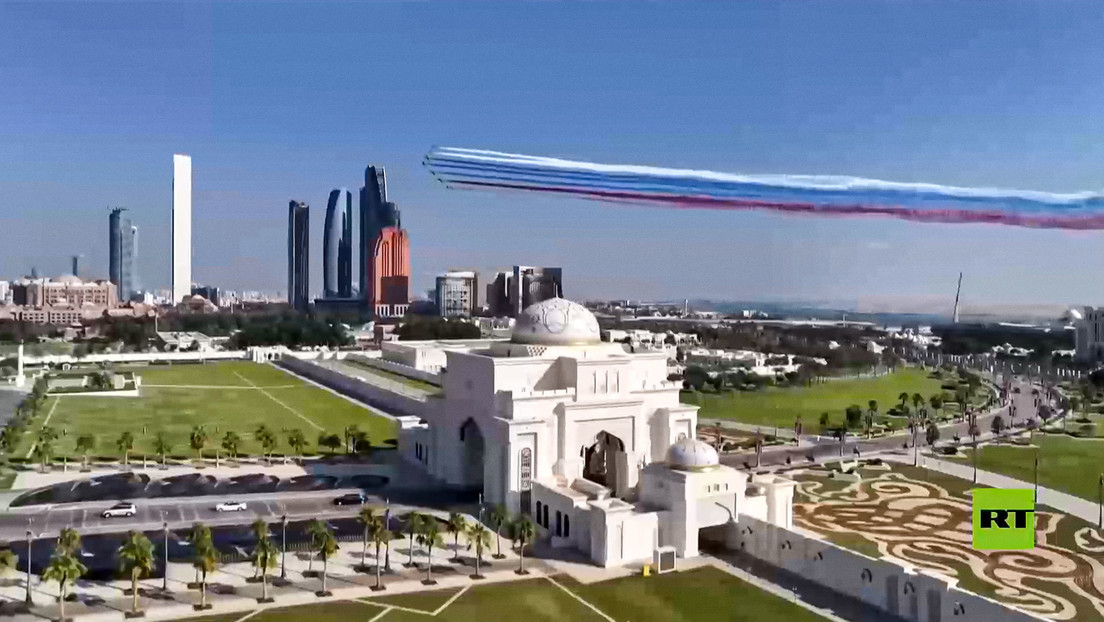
column 390, row 273
column 122, row 254
column 375, row 214
column 298, row 255
column 337, row 246
column 181, row 227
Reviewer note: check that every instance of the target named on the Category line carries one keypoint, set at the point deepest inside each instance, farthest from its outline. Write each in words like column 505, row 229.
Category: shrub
column 948, row 450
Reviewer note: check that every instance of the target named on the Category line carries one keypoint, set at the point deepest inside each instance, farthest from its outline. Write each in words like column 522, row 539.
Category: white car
column 230, row 506
column 120, row 509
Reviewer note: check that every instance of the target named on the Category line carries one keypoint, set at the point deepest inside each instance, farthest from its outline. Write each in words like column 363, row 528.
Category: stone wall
column 909, row 593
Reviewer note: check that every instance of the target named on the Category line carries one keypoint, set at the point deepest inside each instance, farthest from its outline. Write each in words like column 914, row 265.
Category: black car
column 353, row 498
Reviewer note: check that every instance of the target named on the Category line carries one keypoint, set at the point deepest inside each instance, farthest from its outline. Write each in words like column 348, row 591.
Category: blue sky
column 280, row 101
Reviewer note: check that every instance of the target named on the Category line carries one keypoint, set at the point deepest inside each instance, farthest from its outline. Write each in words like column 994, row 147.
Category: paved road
column 827, row 449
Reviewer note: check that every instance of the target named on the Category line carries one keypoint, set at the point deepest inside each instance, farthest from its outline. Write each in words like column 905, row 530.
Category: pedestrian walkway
column 1063, row 502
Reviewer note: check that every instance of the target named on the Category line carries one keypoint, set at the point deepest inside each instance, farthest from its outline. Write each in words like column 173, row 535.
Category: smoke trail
column 809, row 194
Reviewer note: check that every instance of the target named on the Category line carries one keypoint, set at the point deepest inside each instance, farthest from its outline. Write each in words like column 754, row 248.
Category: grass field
column 226, row 396
column 780, row 406
column 1065, row 463
column 701, row 595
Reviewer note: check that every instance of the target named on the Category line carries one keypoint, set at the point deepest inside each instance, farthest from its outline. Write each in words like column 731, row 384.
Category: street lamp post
column 283, row 547
column 1100, row 502
column 387, row 526
column 29, row 600
column 165, row 579
column 1036, row 476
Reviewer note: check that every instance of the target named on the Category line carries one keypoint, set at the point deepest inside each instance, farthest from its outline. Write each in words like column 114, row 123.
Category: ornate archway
column 472, row 454
column 600, row 459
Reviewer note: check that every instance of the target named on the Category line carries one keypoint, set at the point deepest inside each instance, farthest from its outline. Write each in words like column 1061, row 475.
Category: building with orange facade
column 389, row 273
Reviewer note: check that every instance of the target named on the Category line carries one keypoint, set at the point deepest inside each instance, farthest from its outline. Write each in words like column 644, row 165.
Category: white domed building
column 587, row 438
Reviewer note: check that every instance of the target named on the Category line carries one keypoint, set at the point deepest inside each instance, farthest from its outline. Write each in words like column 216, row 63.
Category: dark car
column 353, row 498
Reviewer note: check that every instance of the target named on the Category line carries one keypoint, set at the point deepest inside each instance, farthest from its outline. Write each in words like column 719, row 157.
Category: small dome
column 69, row 279
column 556, row 322
column 691, row 454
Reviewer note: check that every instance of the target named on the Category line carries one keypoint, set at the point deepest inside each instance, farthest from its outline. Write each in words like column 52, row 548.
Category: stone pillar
column 20, row 379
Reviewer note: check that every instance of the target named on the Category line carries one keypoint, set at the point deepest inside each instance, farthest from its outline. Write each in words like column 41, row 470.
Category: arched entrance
column 600, row 460
column 471, row 455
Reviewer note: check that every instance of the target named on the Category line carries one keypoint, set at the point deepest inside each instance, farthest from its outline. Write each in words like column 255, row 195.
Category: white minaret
column 181, row 227
column 20, row 379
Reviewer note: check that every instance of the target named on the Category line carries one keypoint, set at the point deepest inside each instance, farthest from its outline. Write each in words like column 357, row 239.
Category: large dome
column 556, row 322
column 691, row 454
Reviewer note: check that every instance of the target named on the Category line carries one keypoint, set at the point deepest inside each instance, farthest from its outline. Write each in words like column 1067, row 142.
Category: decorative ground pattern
column 923, row 524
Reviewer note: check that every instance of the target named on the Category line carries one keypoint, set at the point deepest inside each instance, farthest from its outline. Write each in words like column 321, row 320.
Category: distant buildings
column 122, row 254
column 208, row 292
column 389, row 273
column 5, row 293
column 375, row 214
column 1089, row 335
column 298, row 255
column 64, row 300
column 509, row 293
column 181, row 227
column 337, row 246
column 456, row 293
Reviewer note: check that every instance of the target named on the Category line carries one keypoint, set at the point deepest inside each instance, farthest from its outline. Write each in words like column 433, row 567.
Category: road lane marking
column 580, row 599
column 215, row 386
column 45, row 422
column 453, row 599
column 400, row 608
column 274, row 399
column 248, row 615
column 376, row 617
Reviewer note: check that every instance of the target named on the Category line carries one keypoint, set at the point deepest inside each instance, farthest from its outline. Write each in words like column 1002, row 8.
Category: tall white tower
column 181, row 227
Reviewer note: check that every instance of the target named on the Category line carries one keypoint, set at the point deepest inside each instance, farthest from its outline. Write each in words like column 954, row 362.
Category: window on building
column 539, row 508
column 545, row 517
column 567, row 526
column 559, row 524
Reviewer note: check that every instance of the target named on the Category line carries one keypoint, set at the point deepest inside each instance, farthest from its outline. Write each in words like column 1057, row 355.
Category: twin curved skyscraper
column 337, row 245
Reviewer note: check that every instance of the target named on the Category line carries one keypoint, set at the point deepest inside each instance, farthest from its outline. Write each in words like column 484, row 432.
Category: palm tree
column 161, row 446
column 260, row 533
column 480, row 537
column 351, row 432
column 327, row 547
column 85, row 444
column 962, row 396
column 43, row 452
column 429, row 536
column 903, row 397
column 872, row 406
column 917, row 400
column 371, row 521
column 136, row 562
column 230, row 442
column 498, row 517
column 265, row 554
column 296, row 441
column 265, row 437
column 8, row 561
column 126, row 443
column 997, row 426
column 205, row 561
column 457, row 525
column 69, row 541
column 315, row 531
column 931, row 435
column 64, row 568
column 198, row 439
column 199, row 537
column 379, row 535
column 329, row 441
column 524, row 532
column 936, row 402
column 825, row 418
column 414, row 522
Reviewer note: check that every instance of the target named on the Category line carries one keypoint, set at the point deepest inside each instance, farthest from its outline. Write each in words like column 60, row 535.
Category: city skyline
column 958, row 94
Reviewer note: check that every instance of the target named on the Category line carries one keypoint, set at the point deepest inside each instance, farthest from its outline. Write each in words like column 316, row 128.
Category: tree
column 853, row 416
column 824, row 419
column 327, row 547
column 43, row 451
column 85, row 444
column 199, row 537
column 429, row 536
column 198, row 439
column 316, row 530
column 903, row 397
column 917, row 400
column 69, row 541
column 162, row 446
column 456, row 525
column 265, row 554
column 498, row 517
column 205, row 561
column 297, row 441
column 371, row 521
column 962, row 396
column 8, row 561
column 64, row 568
column 695, row 377
column 524, row 532
column 230, row 442
column 414, row 522
column 259, row 528
column 997, row 425
column 135, row 562
column 936, row 402
column 329, row 441
column 931, row 435
column 267, row 439
column 351, row 432
column 480, row 537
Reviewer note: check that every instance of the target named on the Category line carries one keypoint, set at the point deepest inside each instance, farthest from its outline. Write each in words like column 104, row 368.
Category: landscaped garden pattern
column 700, row 595
column 781, row 406
column 923, row 519
column 227, row 396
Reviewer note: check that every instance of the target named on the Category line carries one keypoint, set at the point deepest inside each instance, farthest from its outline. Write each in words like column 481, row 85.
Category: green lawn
column 701, row 595
column 780, row 406
column 1067, row 464
column 239, row 406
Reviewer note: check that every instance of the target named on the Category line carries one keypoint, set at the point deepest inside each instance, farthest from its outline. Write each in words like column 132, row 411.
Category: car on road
column 120, row 509
column 230, row 506
column 353, row 498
